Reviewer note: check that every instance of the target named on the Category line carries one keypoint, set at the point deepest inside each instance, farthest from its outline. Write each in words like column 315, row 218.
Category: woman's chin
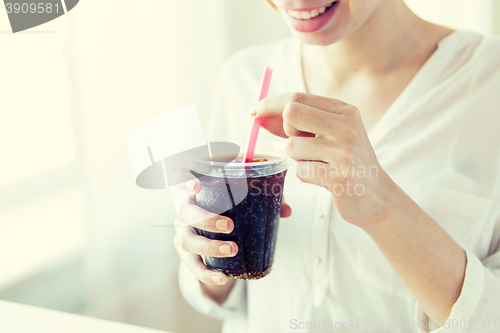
column 317, row 38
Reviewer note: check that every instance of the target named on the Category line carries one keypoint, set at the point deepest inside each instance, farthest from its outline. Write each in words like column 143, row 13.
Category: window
column 41, row 198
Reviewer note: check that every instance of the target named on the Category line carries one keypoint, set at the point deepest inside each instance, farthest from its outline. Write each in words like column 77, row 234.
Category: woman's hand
column 328, row 140
column 188, row 242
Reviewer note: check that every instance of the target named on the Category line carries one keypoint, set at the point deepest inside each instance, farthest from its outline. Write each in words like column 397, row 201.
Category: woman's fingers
column 311, row 149
column 191, row 242
column 191, row 246
column 188, row 213
column 315, row 115
column 186, row 181
column 274, row 105
column 315, row 173
column 286, row 210
column 196, row 266
column 299, row 119
column 274, row 125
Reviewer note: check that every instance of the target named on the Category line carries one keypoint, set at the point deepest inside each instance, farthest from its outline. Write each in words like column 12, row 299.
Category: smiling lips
column 308, row 14
column 311, row 19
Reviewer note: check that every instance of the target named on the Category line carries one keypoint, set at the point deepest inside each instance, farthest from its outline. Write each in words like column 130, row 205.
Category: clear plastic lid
column 227, row 160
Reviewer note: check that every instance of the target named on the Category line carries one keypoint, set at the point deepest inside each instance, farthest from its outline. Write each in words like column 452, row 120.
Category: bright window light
column 36, row 134
column 36, row 234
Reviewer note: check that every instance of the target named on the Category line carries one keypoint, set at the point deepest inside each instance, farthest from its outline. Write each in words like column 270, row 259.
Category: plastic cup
column 251, row 195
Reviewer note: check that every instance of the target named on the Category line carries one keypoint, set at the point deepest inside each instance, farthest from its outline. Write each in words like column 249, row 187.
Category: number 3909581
column 32, row 8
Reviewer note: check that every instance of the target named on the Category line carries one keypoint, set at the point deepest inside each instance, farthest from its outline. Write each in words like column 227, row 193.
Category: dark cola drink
column 251, row 195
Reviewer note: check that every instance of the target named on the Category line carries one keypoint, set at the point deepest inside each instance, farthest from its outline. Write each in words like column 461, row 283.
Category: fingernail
column 222, row 225
column 253, row 112
column 216, row 279
column 190, row 185
column 225, row 249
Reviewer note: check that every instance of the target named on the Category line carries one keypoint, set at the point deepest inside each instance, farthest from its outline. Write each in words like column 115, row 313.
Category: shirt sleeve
column 478, row 306
column 234, row 305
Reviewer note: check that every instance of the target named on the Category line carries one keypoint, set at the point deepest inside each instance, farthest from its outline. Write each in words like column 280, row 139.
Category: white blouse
column 439, row 141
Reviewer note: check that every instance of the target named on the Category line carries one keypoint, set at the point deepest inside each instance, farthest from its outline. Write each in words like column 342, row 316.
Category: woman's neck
column 391, row 36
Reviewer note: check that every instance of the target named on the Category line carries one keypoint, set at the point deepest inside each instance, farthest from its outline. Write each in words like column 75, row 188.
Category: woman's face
column 324, row 22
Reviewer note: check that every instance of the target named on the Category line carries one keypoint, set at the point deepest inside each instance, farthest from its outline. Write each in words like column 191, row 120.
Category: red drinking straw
column 264, row 89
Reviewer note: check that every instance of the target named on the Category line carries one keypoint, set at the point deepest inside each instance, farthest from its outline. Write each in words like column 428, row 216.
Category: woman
column 366, row 85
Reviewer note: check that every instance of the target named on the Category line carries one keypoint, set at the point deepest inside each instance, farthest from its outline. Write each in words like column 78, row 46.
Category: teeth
column 307, row 15
column 295, row 14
